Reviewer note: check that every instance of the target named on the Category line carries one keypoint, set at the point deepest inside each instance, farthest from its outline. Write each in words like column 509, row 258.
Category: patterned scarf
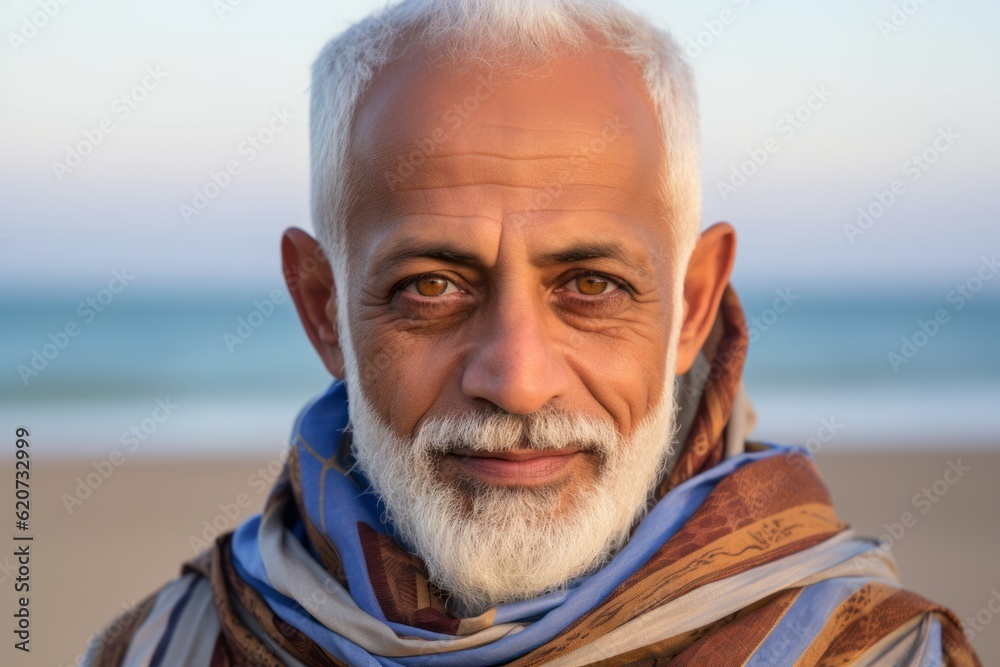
column 740, row 561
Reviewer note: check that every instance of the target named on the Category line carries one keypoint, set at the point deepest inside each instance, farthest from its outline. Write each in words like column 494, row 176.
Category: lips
column 518, row 467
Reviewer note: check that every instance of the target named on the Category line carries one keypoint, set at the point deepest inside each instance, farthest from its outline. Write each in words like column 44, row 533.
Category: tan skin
column 470, row 288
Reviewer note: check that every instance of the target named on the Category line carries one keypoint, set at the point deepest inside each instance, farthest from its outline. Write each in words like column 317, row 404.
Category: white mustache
column 503, row 431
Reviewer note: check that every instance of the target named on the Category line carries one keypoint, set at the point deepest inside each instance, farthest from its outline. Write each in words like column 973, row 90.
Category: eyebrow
column 585, row 251
column 409, row 248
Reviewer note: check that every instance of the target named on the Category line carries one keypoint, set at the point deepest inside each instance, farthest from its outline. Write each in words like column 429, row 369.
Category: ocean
column 166, row 376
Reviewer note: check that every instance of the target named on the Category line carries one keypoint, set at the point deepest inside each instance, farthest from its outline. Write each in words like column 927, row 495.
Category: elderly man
column 535, row 450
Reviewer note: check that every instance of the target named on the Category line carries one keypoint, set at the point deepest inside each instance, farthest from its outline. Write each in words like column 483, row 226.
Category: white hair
column 500, row 33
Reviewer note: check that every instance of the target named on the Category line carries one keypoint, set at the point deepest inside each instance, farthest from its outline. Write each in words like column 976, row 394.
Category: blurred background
column 852, row 145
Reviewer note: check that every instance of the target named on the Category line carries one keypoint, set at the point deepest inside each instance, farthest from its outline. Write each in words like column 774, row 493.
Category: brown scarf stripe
column 726, row 351
column 400, row 582
column 287, row 636
column 668, row 651
column 784, row 531
column 883, row 613
column 734, row 641
column 244, row 649
column 956, row 646
column 779, row 483
column 771, row 486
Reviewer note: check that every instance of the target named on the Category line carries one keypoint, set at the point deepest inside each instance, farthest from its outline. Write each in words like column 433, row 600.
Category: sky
column 838, row 97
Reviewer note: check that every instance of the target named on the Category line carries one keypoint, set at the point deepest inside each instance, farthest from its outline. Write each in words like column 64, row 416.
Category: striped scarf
column 741, row 560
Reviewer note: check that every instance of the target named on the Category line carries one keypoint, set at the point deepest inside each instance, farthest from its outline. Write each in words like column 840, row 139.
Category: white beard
column 484, row 544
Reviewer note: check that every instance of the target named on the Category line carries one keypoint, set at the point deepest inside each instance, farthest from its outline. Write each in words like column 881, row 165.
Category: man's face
column 513, row 313
column 510, row 251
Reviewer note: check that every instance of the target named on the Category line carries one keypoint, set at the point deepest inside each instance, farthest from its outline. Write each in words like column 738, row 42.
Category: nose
column 516, row 364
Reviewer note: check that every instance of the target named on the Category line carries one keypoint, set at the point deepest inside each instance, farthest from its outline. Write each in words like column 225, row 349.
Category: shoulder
column 175, row 625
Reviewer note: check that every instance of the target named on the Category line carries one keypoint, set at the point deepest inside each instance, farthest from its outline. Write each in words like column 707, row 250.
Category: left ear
column 311, row 284
column 706, row 279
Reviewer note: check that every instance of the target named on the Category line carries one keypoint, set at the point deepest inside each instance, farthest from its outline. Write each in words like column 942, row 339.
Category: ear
column 706, row 279
column 310, row 282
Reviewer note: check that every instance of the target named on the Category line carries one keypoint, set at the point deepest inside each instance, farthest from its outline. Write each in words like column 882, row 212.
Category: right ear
column 707, row 276
column 310, row 282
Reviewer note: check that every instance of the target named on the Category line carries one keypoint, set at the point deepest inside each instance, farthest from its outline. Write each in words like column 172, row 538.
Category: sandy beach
column 92, row 559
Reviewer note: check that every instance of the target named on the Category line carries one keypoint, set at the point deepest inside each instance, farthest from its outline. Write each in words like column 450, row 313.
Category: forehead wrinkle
column 390, row 147
column 402, row 136
column 471, row 156
column 511, row 153
column 489, row 201
column 498, row 156
column 530, row 186
column 526, row 128
column 615, row 172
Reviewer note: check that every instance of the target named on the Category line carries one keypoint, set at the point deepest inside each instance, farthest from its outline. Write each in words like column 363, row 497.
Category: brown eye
column 429, row 286
column 591, row 285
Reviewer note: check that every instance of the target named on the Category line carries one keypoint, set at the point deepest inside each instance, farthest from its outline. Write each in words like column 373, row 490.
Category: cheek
column 625, row 373
column 403, row 375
